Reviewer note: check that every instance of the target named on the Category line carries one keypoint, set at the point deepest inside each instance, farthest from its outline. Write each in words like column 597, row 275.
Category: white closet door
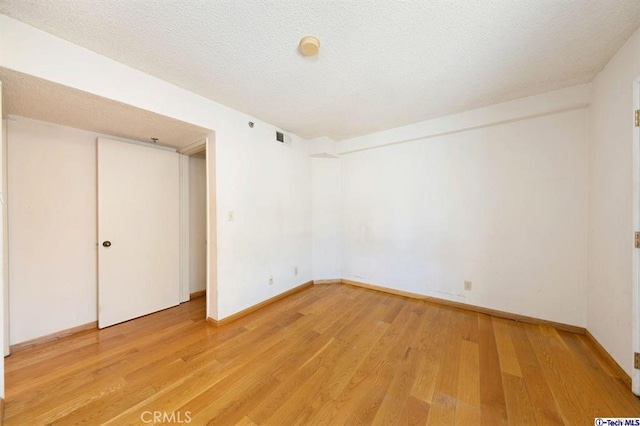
column 138, row 231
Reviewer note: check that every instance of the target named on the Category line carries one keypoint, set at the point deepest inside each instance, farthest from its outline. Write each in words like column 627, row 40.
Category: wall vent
column 283, row 138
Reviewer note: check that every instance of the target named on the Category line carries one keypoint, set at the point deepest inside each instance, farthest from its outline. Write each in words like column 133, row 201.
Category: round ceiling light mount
column 309, row 46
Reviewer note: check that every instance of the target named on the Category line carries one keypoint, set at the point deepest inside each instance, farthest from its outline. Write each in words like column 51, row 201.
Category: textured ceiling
column 382, row 63
column 31, row 97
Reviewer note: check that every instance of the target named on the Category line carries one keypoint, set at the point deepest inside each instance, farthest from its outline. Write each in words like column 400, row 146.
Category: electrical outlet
column 271, row 280
column 467, row 285
column 295, row 271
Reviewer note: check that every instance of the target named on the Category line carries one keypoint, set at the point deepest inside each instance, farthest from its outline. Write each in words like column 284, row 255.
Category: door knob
column 107, row 244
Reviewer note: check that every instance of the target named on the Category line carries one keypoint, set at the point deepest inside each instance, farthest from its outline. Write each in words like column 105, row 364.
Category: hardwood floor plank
column 323, row 411
column 365, row 411
column 403, row 377
column 342, row 296
column 506, row 351
column 331, row 354
column 341, row 315
column 356, row 353
column 117, row 402
column 414, row 412
column 445, row 398
column 431, row 346
column 467, row 415
column 469, row 326
column 541, row 398
column 292, row 410
column 330, row 349
column 292, row 304
column 50, row 410
column 170, row 397
column 576, row 397
column 362, row 396
column 522, row 345
column 595, row 358
column 440, row 414
column 493, row 406
column 519, row 408
column 620, row 404
column 260, row 381
column 468, row 392
column 246, row 421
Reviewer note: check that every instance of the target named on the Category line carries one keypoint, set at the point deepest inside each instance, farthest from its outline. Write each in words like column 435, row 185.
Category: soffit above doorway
column 28, row 96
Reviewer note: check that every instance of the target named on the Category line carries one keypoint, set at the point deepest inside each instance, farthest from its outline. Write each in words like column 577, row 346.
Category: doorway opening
column 198, row 223
column 198, row 238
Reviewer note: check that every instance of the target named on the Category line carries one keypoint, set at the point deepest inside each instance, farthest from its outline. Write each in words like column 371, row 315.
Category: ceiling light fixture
column 309, row 46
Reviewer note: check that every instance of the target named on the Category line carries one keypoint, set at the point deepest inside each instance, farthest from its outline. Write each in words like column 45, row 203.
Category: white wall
column 611, row 223
column 248, row 165
column 52, row 228
column 197, row 224
column 266, row 187
column 502, row 206
column 326, row 218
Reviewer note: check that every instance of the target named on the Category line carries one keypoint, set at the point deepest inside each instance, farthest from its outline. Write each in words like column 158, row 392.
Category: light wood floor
column 332, row 354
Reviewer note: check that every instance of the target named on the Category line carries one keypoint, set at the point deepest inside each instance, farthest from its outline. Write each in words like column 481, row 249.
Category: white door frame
column 185, row 277
column 194, row 147
column 185, row 207
column 212, row 239
column 4, row 241
column 635, row 326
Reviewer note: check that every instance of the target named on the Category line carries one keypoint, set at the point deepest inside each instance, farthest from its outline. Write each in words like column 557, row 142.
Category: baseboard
column 197, row 294
column 52, row 337
column 620, row 372
column 474, row 308
column 332, row 281
column 244, row 312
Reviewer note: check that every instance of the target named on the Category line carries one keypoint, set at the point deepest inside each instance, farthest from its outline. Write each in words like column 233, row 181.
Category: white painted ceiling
column 382, row 63
column 32, row 97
